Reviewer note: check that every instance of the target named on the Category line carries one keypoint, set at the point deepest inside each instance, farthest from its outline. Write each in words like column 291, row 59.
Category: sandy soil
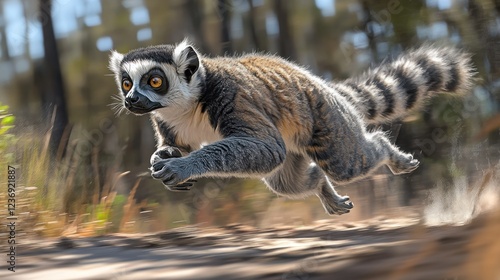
column 378, row 248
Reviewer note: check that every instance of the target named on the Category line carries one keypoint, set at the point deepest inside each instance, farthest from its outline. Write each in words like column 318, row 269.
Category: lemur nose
column 133, row 99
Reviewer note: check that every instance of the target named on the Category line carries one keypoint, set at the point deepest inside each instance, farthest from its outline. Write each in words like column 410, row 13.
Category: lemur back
column 262, row 116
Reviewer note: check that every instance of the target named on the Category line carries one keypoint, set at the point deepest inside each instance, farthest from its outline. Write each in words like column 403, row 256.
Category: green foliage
column 108, row 213
column 7, row 140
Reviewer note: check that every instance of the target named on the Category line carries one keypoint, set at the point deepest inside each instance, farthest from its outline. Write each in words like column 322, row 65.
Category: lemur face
column 156, row 77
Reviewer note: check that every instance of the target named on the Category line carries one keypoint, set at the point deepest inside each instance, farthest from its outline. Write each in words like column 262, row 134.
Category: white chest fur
column 192, row 127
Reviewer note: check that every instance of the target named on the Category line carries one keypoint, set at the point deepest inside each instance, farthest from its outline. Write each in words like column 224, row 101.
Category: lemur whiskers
column 263, row 116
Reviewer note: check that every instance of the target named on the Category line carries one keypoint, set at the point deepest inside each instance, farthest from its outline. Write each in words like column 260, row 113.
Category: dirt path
column 378, row 248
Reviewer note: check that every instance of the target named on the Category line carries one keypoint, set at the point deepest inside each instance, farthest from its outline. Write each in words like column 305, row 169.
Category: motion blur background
column 81, row 168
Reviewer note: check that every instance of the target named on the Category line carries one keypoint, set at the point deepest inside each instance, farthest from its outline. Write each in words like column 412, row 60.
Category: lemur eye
column 126, row 84
column 155, row 82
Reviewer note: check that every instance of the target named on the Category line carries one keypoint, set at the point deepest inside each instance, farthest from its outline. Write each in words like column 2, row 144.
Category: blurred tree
column 483, row 19
column 224, row 10
column 53, row 98
column 286, row 43
column 3, row 41
column 197, row 17
column 368, row 27
column 251, row 24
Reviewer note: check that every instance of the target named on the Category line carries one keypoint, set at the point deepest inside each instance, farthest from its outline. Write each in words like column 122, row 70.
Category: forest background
column 84, row 170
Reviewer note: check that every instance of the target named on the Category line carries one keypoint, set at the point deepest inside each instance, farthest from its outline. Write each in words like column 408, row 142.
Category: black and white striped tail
column 396, row 88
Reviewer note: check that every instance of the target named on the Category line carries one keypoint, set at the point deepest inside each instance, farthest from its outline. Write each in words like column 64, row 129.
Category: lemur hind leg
column 333, row 203
column 345, row 162
column 298, row 178
column 359, row 155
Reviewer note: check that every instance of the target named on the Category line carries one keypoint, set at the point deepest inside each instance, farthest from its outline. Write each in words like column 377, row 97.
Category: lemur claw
column 183, row 187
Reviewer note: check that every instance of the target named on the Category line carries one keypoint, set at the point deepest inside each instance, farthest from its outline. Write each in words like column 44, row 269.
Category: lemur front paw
column 174, row 173
column 164, row 153
column 168, row 153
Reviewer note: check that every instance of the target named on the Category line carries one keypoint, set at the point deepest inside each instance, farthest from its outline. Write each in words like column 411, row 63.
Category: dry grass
column 65, row 197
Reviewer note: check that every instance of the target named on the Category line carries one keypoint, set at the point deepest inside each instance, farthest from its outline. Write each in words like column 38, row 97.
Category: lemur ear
column 193, row 63
column 115, row 58
column 187, row 60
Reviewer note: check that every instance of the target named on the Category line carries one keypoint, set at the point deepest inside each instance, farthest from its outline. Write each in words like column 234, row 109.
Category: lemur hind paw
column 337, row 205
column 404, row 164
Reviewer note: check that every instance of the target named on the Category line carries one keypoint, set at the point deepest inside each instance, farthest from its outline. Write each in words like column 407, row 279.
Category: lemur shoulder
column 263, row 116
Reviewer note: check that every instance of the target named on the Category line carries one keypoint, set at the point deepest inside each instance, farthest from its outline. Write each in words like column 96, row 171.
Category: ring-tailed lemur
column 263, row 116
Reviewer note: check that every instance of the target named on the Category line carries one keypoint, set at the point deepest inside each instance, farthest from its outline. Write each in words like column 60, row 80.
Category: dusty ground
column 378, row 248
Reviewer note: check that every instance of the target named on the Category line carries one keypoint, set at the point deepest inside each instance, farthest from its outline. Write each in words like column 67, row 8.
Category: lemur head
column 157, row 77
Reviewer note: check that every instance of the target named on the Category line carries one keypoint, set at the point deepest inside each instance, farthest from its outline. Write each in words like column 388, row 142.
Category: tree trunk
column 252, row 22
column 53, row 99
column 224, row 10
column 286, row 43
column 195, row 11
column 369, row 31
